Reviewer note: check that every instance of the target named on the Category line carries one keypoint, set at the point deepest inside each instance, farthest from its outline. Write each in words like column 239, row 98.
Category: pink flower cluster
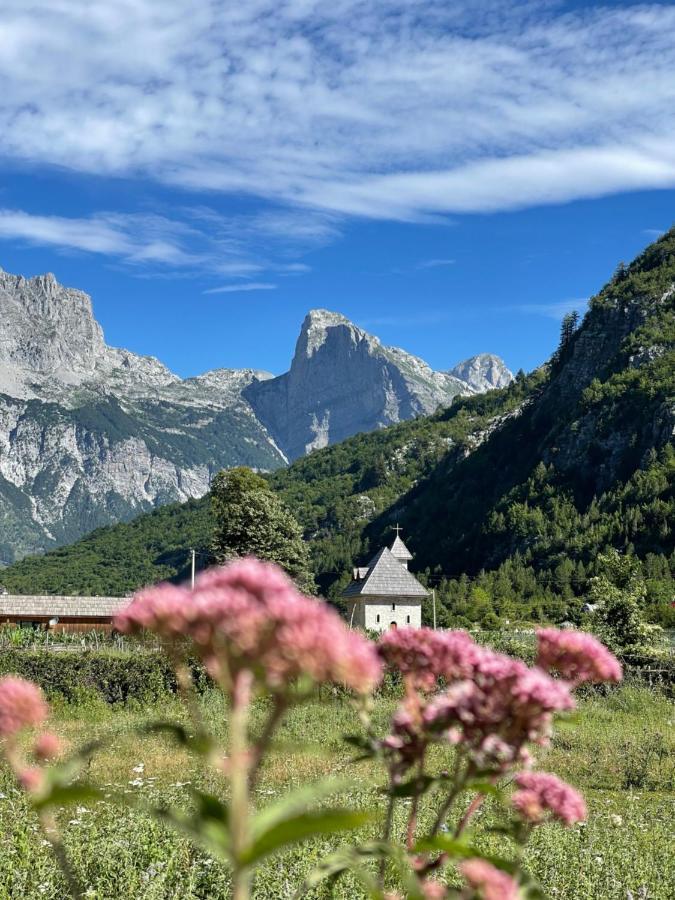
column 494, row 705
column 578, row 656
column 423, row 655
column 541, row 795
column 501, row 708
column 249, row 616
column 21, row 706
column 487, row 881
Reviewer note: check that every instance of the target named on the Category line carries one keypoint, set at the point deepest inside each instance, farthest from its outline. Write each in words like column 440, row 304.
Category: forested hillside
column 334, row 494
column 506, row 498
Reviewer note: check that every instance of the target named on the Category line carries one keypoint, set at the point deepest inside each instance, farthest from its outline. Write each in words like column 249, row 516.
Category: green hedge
column 115, row 676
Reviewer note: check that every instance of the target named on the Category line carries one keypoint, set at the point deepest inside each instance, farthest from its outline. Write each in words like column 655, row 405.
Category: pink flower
column 541, row 794
column 578, row 656
column 433, row 890
column 423, row 655
column 31, row 779
column 488, row 882
column 249, row 615
column 46, row 746
column 21, row 705
column 504, row 706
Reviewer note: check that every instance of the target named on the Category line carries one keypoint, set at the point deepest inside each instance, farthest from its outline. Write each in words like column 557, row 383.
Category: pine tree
column 250, row 520
column 570, row 323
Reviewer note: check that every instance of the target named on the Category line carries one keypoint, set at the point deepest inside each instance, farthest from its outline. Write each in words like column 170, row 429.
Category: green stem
column 455, row 791
column 391, row 803
column 412, row 820
column 51, row 832
column 261, row 746
column 472, row 808
column 239, row 775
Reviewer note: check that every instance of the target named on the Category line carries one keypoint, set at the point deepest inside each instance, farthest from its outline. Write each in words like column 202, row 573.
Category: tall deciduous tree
column 251, row 520
column 618, row 594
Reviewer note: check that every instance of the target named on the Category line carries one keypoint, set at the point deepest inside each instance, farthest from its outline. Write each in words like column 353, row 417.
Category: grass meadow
column 619, row 749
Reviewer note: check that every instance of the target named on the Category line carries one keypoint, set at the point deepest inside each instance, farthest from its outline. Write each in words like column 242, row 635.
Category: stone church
column 384, row 594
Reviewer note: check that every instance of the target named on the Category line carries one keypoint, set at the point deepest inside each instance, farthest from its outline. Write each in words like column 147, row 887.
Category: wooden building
column 384, row 594
column 60, row 613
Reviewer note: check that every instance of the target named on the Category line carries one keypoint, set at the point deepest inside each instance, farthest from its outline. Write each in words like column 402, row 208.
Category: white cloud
column 435, row 263
column 202, row 241
column 555, row 310
column 245, row 286
column 400, row 109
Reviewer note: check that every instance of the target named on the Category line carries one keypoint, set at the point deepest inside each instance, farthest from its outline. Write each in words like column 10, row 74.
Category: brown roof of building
column 14, row 605
column 386, row 577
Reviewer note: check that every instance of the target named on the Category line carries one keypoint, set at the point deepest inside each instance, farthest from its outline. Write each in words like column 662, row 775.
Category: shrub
column 115, row 676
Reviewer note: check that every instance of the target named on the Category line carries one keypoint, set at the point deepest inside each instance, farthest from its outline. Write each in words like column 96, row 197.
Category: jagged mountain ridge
column 91, row 434
column 343, row 381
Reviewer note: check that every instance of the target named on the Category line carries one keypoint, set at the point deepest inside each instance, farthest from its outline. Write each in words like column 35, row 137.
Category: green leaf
column 295, row 802
column 485, row 787
column 352, row 859
column 367, row 746
column 304, row 825
column 201, row 743
column 420, row 784
column 208, row 825
column 64, row 771
column 210, row 808
column 66, row 795
column 359, row 741
column 58, row 790
column 454, row 847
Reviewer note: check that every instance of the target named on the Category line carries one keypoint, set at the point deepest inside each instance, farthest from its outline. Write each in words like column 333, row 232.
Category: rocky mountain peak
column 47, row 328
column 483, row 372
column 343, row 380
column 316, row 328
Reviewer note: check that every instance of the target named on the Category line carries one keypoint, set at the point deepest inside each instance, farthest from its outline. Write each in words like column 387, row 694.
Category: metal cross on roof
column 397, row 529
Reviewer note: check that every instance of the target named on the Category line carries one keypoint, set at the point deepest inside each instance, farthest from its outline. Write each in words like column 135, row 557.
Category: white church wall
column 379, row 613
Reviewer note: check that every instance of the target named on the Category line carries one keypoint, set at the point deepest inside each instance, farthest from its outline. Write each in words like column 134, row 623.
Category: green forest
column 506, row 499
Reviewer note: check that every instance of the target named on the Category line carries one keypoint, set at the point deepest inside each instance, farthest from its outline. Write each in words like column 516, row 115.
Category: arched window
column 378, row 617
column 393, row 606
column 407, row 618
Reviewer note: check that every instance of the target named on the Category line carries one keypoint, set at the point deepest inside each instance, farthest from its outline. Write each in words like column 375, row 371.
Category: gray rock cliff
column 343, row 381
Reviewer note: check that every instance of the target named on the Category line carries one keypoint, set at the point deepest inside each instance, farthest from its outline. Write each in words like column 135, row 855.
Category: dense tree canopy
column 250, row 520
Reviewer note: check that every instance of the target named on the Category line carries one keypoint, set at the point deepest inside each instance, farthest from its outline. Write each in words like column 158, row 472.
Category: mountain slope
column 605, row 414
column 334, row 493
column 92, row 434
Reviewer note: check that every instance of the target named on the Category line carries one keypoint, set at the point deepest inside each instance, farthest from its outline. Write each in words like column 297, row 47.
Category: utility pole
column 433, row 600
column 194, row 554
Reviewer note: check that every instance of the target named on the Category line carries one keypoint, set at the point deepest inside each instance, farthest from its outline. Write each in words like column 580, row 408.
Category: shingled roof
column 41, row 607
column 386, row 577
column 399, row 549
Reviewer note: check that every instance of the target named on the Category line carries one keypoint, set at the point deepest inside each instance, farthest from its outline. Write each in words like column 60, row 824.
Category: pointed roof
column 399, row 549
column 386, row 577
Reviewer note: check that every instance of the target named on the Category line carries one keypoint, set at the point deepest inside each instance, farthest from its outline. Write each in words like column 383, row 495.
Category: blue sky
column 453, row 177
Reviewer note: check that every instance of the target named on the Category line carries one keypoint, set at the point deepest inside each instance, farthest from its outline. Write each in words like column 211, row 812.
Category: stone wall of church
column 378, row 613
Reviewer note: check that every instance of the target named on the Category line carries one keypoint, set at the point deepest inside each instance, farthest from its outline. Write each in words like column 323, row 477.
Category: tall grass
column 619, row 749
